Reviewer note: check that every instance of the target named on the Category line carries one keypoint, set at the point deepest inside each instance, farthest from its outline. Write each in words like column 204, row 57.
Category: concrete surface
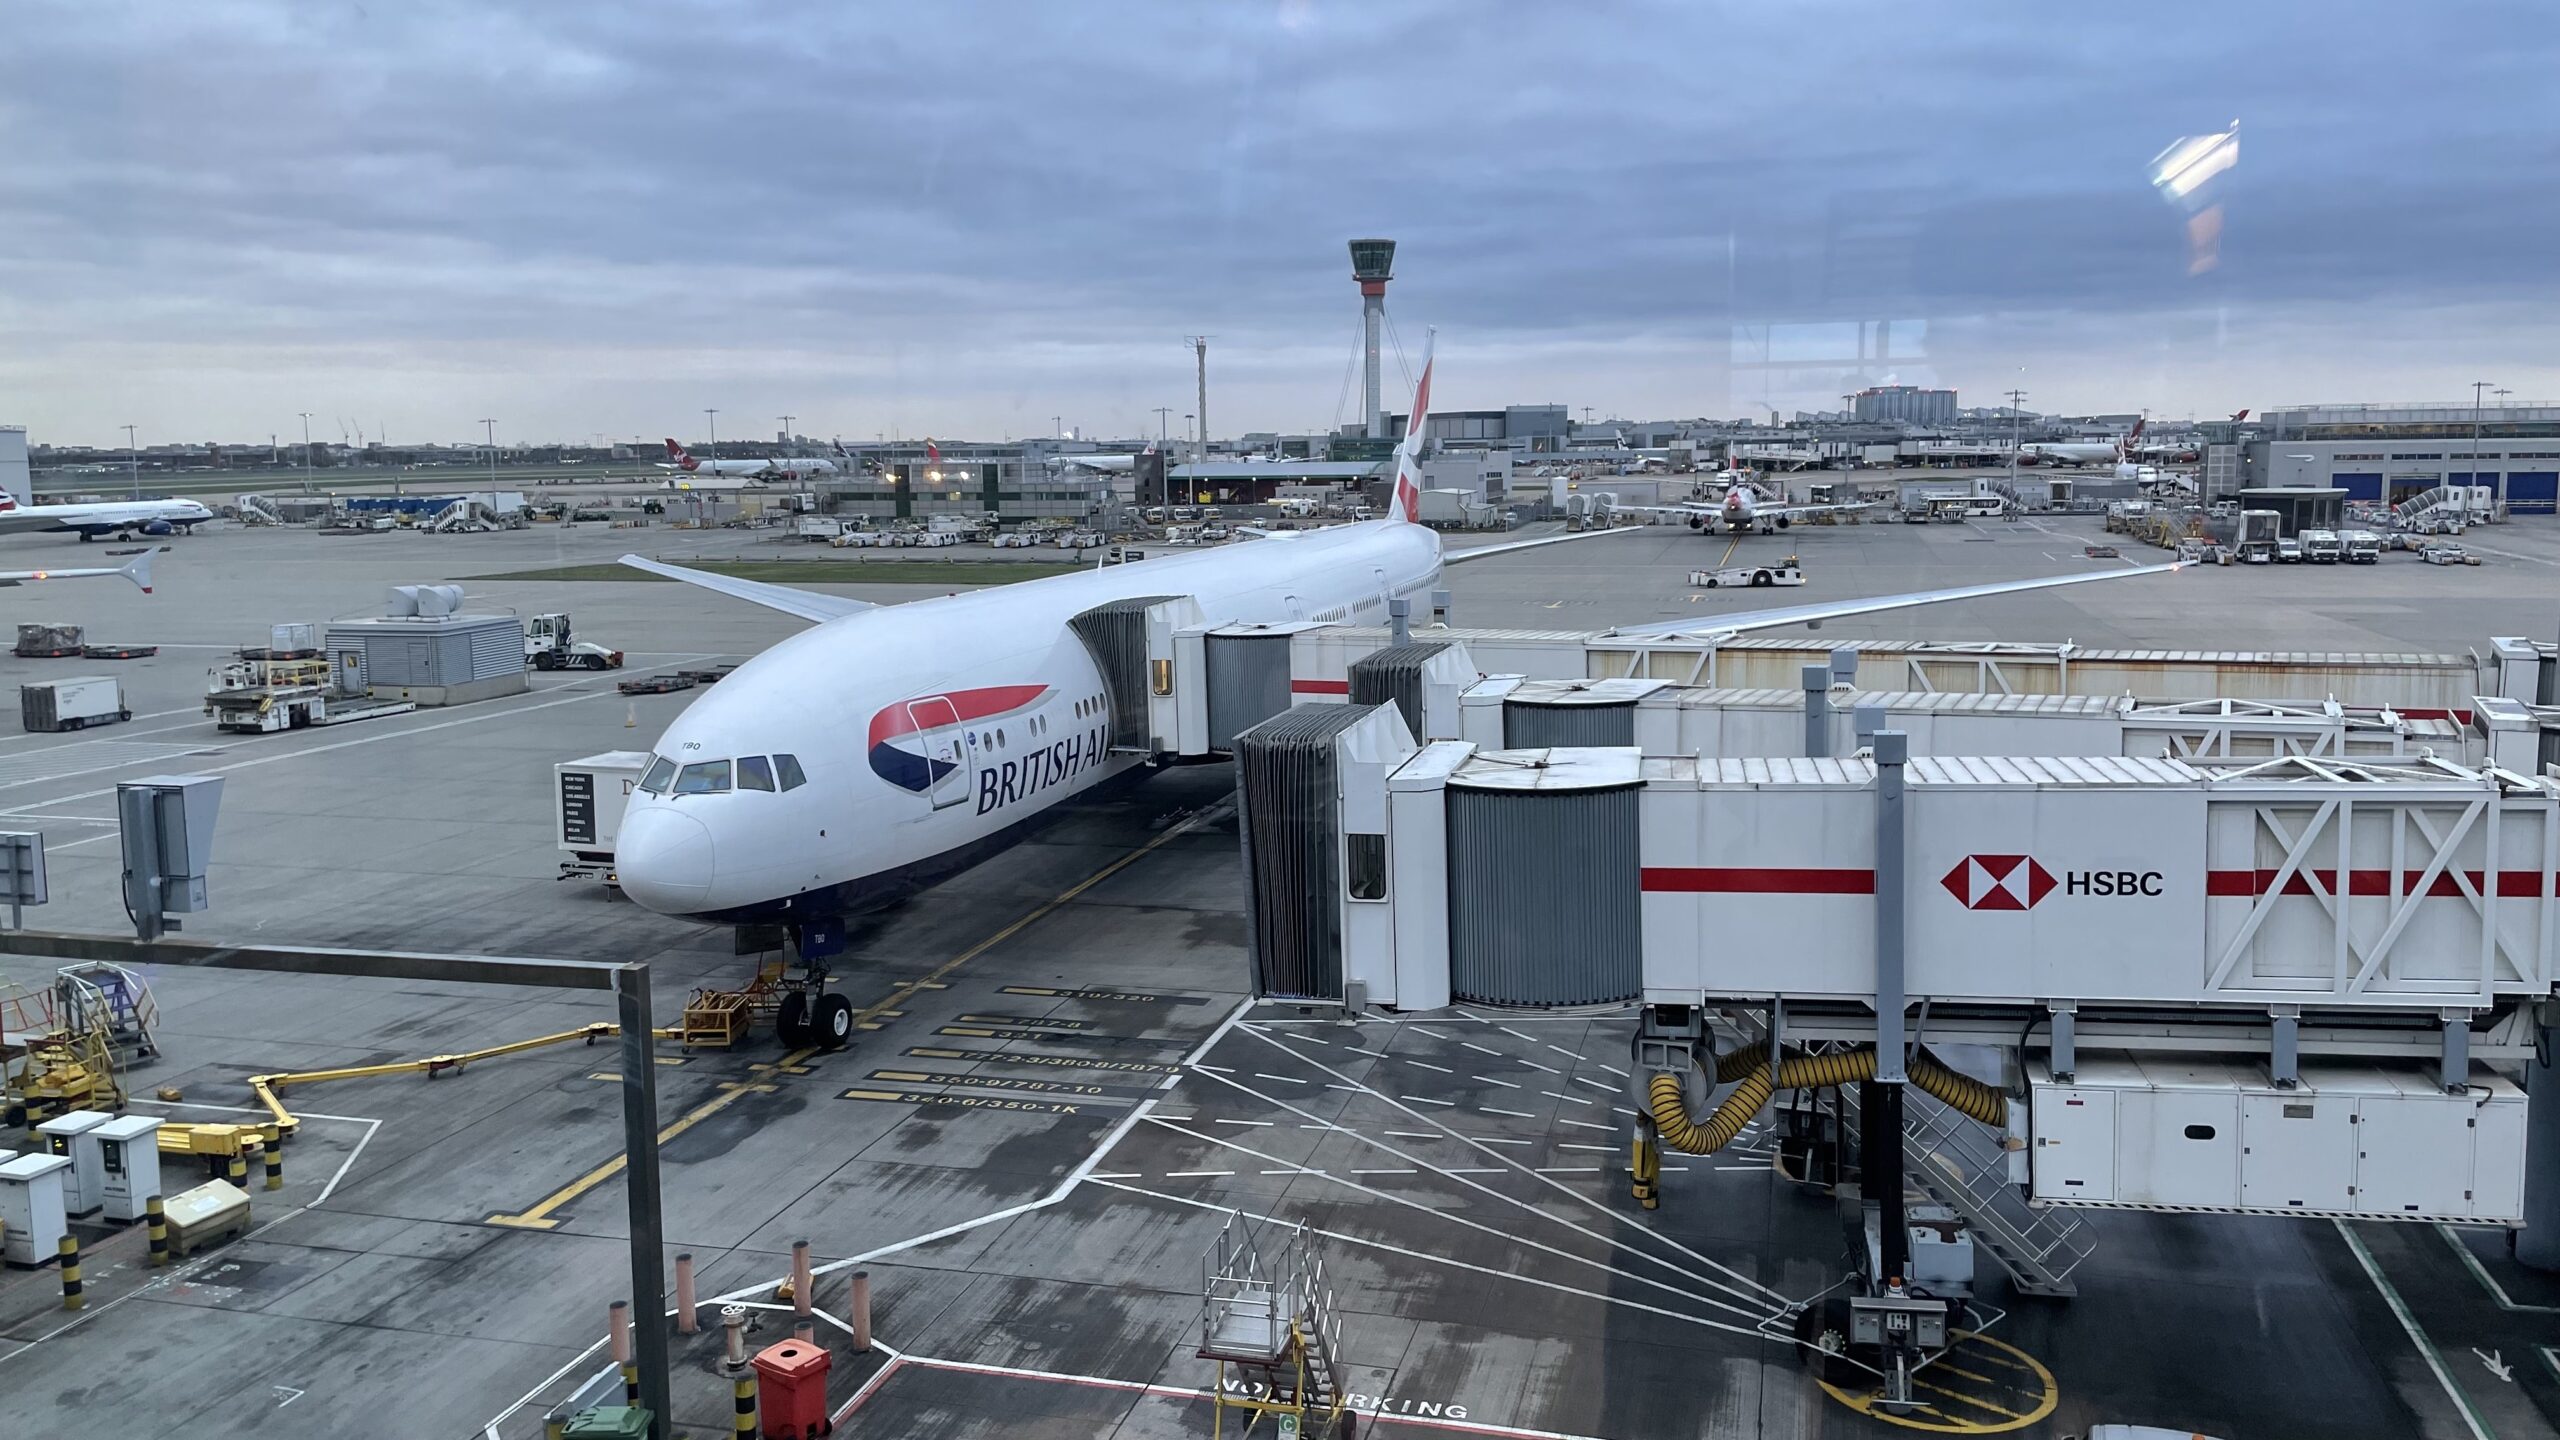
column 1066, row 1117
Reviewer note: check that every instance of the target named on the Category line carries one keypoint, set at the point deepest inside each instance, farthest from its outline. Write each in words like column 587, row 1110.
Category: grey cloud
column 1056, row 192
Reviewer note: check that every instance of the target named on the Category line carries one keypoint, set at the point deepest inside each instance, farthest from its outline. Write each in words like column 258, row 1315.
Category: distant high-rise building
column 1907, row 403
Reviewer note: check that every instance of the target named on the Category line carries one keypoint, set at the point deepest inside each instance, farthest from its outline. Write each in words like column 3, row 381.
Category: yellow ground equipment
column 54, row 1056
column 1669, row 1101
column 264, row 1087
column 722, row 1018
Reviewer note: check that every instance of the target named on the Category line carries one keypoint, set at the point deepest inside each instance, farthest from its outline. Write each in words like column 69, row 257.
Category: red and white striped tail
column 1408, row 499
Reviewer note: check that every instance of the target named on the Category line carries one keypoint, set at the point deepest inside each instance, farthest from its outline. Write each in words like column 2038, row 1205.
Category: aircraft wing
column 807, row 604
column 137, row 570
column 1513, row 547
column 1741, row 621
column 1798, row 512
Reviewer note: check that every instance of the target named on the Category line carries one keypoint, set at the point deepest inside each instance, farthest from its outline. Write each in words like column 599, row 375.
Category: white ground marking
column 1748, row 1284
column 1759, row 1294
column 1480, row 1227
column 1337, row 1237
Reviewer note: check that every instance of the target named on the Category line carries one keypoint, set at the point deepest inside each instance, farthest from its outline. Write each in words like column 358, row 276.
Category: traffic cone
column 631, row 716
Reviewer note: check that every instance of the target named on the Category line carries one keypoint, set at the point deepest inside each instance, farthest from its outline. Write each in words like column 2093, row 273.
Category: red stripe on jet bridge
column 2249, row 884
column 2458, row 717
column 1755, row 880
column 1319, row 687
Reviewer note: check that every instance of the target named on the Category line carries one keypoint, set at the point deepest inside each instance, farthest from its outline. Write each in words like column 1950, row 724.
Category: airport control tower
column 1371, row 260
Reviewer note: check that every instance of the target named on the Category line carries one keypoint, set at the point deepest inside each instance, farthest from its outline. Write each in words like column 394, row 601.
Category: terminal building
column 2393, row 453
column 1909, row 404
column 907, row 482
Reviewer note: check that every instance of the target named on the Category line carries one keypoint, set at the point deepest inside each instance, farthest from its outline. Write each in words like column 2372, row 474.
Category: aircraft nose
column 663, row 859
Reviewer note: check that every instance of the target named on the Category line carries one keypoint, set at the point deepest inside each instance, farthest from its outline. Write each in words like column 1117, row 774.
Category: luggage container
column 48, row 706
column 46, row 642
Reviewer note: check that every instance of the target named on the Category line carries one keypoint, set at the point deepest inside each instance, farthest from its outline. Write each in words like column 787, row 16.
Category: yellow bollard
column 71, row 1272
column 743, row 1393
column 1646, row 1166
column 158, row 1215
column 235, row 1168
column 275, row 1165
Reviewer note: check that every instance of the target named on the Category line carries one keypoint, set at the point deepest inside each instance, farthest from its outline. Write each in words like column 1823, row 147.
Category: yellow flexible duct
column 1670, row 1104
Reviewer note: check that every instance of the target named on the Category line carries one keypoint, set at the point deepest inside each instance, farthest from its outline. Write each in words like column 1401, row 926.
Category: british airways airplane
column 886, row 747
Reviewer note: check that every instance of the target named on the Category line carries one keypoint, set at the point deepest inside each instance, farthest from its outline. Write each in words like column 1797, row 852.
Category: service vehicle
column 2322, row 547
column 548, row 646
column 2446, row 553
column 2288, row 551
column 2362, row 547
column 73, row 703
column 1783, row 572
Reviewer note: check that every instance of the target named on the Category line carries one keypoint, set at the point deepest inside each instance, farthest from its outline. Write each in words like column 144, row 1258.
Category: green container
column 608, row 1422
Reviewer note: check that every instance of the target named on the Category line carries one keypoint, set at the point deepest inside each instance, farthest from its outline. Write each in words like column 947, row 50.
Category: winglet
column 138, row 569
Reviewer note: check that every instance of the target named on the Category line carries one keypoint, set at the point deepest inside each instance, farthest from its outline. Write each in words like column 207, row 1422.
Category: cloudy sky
column 965, row 219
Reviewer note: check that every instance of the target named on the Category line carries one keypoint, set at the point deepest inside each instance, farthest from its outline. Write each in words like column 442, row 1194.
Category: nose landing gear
column 810, row 1013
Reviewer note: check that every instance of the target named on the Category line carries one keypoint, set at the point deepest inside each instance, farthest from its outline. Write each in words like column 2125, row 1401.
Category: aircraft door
column 938, row 736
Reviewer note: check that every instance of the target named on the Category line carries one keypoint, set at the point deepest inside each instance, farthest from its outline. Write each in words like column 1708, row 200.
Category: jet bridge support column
column 2284, row 1046
column 2538, row 1243
column 1817, row 712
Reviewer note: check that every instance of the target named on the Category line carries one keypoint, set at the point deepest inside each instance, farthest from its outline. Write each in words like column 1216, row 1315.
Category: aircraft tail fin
column 1407, row 505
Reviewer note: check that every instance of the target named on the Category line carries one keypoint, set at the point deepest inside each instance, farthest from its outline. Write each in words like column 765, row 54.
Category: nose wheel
column 814, row 1018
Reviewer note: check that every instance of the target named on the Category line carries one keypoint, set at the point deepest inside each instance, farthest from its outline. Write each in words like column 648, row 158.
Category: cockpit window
column 708, row 777
column 788, row 766
column 661, row 771
column 754, row 773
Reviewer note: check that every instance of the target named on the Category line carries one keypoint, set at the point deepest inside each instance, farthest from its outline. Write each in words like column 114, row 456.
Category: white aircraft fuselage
column 929, row 733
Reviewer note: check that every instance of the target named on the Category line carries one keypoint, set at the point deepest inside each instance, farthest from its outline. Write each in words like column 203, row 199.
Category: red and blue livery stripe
column 916, row 742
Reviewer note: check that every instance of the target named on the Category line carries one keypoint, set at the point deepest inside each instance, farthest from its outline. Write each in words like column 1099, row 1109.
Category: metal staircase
column 2457, row 503
column 1958, row 1163
column 1275, row 1321
column 257, row 510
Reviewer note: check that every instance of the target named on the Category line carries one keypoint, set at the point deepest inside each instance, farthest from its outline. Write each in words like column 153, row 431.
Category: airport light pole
column 2476, row 387
column 133, row 462
column 786, row 427
column 306, row 452
column 490, row 427
column 711, row 447
column 2017, row 422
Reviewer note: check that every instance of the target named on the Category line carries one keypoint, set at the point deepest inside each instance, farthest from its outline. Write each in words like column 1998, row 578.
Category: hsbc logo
column 2018, row 882
column 1998, row 882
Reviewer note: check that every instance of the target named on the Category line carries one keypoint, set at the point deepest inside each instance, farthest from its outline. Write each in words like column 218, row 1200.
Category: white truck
column 588, row 798
column 1784, row 572
column 2361, row 547
column 2322, row 547
column 75, row 703
column 817, row 527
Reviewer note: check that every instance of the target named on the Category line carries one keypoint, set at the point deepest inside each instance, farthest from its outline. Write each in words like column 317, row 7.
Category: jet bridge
column 1180, row 687
column 2301, row 987
column 2415, row 687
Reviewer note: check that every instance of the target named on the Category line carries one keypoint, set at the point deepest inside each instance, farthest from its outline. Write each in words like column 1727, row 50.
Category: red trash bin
column 791, row 1390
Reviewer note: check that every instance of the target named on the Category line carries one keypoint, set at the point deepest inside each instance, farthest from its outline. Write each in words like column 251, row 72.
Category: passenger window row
column 718, row 777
